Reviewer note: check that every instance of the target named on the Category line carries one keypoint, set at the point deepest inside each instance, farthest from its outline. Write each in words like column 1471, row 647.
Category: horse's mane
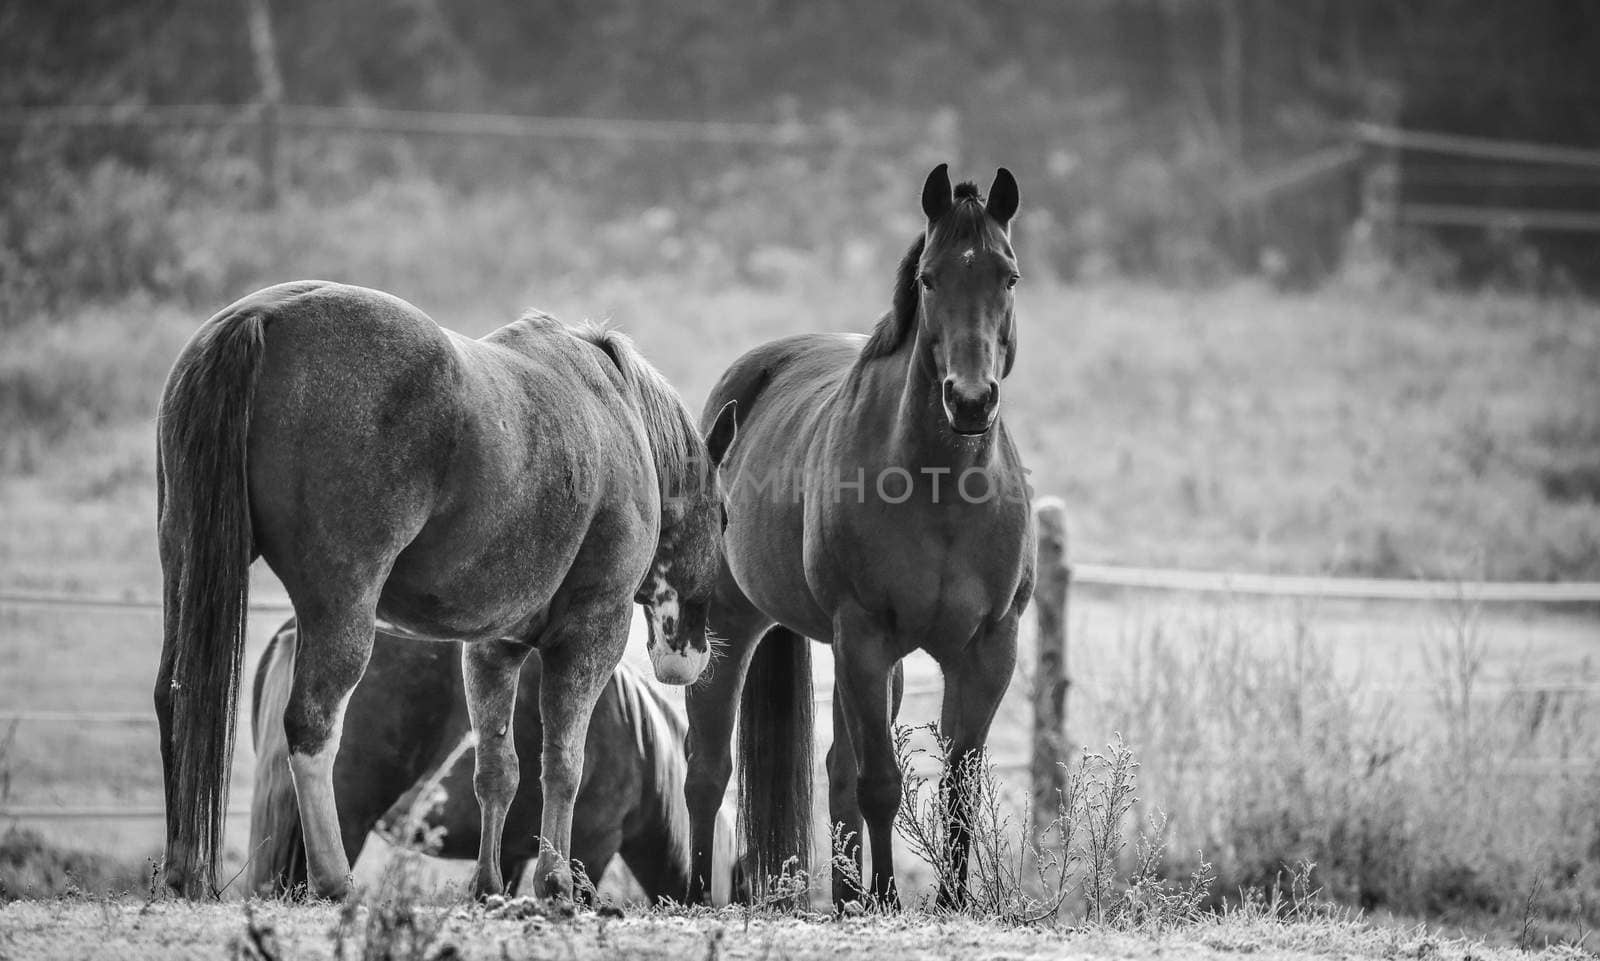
column 965, row 221
column 659, row 733
column 674, row 439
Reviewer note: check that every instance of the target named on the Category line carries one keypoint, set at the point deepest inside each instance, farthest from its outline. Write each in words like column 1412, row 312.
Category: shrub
column 32, row 867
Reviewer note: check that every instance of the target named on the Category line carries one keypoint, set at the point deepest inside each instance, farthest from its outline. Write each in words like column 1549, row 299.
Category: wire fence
column 377, row 120
column 1493, row 166
column 1082, row 575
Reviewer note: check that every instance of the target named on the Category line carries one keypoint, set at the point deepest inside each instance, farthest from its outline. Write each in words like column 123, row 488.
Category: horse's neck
column 657, row 850
column 899, row 403
column 660, row 847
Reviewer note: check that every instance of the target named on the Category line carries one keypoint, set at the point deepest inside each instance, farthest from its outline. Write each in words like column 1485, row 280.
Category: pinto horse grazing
column 877, row 504
column 408, row 717
column 517, row 492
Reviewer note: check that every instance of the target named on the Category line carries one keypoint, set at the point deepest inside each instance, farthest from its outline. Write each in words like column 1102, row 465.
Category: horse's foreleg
column 973, row 687
column 844, row 810
column 579, row 657
column 329, row 660
column 491, row 671
column 863, row 663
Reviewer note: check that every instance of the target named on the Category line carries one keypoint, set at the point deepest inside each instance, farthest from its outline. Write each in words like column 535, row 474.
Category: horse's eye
column 1012, row 280
column 724, row 517
column 927, row 282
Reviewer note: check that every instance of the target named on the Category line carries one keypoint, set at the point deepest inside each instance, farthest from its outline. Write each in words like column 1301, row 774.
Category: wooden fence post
column 264, row 52
column 1380, row 180
column 1050, row 682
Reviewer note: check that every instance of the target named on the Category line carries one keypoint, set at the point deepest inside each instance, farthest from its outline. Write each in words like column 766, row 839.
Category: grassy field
column 1386, row 429
column 1391, row 433
column 91, row 929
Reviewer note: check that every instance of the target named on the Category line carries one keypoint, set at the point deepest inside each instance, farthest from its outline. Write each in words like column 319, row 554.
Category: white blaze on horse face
column 671, row 665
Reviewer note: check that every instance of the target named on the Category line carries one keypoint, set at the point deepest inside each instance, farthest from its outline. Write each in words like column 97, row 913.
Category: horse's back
column 802, row 367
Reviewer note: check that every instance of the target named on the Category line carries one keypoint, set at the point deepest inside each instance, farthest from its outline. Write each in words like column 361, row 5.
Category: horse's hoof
column 334, row 895
column 485, row 891
column 557, row 886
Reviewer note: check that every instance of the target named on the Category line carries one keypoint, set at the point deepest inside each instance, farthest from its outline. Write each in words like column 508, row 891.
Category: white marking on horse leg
column 725, row 842
column 327, row 868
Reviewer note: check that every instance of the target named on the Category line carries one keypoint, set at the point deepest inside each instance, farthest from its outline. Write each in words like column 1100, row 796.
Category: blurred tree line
column 1127, row 120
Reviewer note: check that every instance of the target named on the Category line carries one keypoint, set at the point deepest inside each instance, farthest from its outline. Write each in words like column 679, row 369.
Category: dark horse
column 877, row 504
column 407, row 719
column 517, row 492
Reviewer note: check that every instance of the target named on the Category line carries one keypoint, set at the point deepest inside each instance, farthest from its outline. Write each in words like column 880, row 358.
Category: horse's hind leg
column 491, row 670
column 713, row 708
column 334, row 645
column 973, row 687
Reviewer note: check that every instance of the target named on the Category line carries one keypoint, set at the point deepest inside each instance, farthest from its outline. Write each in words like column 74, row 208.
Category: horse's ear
column 723, row 431
column 1003, row 198
column 936, row 198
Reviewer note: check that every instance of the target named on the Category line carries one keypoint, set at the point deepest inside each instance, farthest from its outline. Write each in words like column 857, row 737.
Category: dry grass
column 81, row 929
column 1450, row 793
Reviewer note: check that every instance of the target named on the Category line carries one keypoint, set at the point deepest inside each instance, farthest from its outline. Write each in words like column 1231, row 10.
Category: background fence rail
column 1043, row 769
column 382, row 120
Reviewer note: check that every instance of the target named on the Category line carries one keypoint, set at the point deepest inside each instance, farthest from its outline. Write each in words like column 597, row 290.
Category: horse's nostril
column 669, row 625
column 949, row 390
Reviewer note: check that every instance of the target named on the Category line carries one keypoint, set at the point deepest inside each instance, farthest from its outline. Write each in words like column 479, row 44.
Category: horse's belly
column 432, row 598
column 768, row 563
column 928, row 586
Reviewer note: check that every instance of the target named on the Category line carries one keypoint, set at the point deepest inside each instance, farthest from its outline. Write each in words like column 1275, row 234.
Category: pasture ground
column 60, row 930
column 1386, row 429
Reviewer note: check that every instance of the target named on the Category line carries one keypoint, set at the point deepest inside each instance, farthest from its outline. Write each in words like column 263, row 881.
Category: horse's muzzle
column 678, row 667
column 968, row 412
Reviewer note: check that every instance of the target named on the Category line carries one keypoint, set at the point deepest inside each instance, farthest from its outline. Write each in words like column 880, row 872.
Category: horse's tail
column 775, row 756
column 277, row 849
column 206, row 549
